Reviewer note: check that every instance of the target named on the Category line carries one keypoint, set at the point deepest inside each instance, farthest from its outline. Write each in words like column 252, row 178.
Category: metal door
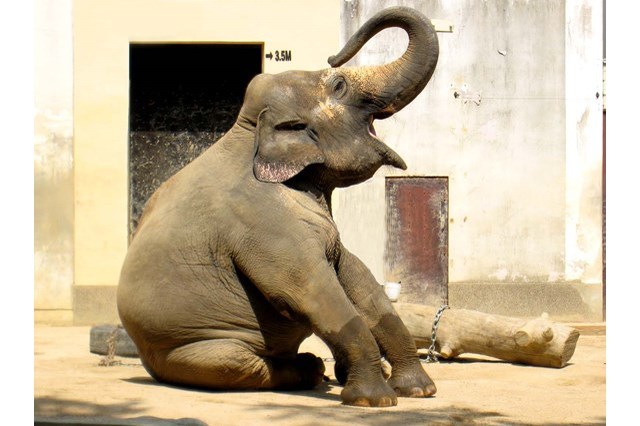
column 417, row 238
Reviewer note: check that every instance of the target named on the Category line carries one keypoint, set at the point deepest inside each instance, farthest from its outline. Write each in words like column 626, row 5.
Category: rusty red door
column 417, row 238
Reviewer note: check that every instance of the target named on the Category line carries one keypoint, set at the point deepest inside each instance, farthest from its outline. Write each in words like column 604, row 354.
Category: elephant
column 237, row 259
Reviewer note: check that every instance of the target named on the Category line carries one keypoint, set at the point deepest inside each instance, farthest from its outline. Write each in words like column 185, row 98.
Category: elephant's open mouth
column 372, row 130
column 389, row 156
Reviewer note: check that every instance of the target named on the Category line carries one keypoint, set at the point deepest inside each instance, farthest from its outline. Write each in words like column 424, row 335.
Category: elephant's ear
column 284, row 147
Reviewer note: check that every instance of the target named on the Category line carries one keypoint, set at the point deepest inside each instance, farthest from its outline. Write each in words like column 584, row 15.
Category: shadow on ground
column 58, row 411
column 470, row 359
column 319, row 392
column 295, row 414
column 346, row 415
column 53, row 411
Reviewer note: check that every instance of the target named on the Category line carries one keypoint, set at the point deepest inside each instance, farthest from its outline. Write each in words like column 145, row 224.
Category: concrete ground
column 72, row 388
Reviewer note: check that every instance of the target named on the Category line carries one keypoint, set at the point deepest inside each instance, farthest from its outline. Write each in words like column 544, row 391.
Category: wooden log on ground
column 537, row 341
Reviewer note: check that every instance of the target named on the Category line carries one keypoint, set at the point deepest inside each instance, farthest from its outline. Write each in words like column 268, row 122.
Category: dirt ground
column 72, row 388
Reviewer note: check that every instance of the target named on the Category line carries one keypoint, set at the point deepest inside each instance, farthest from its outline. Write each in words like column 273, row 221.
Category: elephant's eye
column 339, row 87
column 291, row 126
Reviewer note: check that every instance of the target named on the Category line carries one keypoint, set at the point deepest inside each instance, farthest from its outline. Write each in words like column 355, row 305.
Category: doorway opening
column 182, row 99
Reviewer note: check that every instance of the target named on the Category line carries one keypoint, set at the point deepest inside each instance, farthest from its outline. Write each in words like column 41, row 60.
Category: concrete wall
column 53, row 161
column 512, row 118
column 584, row 144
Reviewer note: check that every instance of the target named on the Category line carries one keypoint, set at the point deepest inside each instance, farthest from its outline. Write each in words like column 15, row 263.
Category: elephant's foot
column 369, row 390
column 232, row 364
column 308, row 367
column 371, row 393
column 412, row 382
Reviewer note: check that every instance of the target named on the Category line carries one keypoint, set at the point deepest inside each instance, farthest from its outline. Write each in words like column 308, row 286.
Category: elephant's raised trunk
column 397, row 83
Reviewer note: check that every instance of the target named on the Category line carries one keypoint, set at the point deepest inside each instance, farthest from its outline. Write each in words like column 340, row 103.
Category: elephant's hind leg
column 231, row 364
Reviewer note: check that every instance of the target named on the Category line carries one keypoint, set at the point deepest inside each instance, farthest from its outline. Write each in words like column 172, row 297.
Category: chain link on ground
column 109, row 359
column 433, row 355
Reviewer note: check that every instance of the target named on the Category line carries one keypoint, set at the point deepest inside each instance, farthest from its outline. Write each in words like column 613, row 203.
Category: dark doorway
column 182, row 99
column 417, row 238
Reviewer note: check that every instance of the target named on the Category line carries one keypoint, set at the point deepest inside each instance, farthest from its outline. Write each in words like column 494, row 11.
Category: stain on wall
column 53, row 212
column 53, row 162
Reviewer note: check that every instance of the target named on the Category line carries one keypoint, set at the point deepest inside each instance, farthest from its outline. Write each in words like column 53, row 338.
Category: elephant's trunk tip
column 333, row 61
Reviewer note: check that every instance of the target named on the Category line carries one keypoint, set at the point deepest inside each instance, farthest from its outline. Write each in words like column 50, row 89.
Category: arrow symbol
column 269, row 56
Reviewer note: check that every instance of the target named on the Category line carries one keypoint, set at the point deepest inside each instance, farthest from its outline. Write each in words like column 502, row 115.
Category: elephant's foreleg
column 231, row 364
column 309, row 290
column 408, row 378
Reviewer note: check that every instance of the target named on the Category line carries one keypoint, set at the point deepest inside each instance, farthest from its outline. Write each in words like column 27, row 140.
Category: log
column 537, row 341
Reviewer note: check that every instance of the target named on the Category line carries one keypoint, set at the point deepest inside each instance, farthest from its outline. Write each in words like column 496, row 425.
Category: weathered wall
column 584, row 144
column 501, row 118
column 53, row 162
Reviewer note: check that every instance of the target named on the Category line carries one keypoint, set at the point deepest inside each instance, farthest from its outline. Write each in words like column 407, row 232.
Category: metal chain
column 432, row 356
column 109, row 359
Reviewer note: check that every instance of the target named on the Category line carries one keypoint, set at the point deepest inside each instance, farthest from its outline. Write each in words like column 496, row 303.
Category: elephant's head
column 321, row 122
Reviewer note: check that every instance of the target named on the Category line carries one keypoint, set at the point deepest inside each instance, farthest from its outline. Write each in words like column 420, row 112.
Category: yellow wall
column 53, row 162
column 102, row 33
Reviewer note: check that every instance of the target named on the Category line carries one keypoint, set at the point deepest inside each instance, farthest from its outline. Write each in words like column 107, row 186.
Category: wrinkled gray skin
column 237, row 258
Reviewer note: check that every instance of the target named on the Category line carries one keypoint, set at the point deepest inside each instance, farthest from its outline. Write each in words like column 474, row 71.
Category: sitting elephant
column 236, row 259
